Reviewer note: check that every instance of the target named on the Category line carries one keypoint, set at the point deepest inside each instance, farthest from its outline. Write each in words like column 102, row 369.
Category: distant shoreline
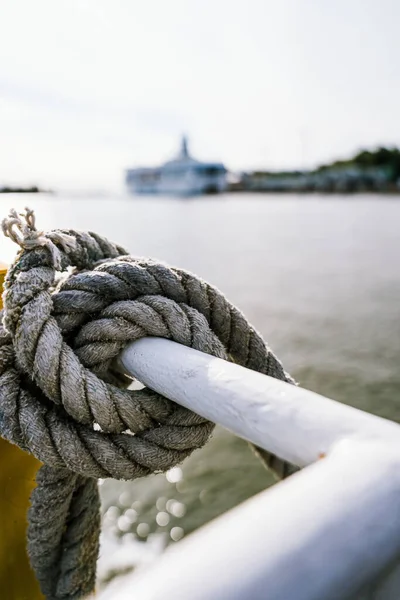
column 23, row 190
column 311, row 192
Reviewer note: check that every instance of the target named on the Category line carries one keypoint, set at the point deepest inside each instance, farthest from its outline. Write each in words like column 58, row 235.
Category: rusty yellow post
column 17, row 478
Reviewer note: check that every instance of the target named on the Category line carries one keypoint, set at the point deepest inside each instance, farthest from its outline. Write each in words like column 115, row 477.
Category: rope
column 72, row 301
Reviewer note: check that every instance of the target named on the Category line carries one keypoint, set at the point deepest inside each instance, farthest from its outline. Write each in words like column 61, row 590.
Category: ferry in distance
column 182, row 176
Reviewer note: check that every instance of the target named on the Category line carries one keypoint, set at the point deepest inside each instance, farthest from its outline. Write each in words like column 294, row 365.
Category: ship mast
column 184, row 148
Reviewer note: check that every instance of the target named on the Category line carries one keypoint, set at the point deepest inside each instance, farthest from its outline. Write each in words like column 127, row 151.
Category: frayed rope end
column 21, row 229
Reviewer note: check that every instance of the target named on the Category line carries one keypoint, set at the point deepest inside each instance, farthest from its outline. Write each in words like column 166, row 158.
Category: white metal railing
column 331, row 531
column 294, row 423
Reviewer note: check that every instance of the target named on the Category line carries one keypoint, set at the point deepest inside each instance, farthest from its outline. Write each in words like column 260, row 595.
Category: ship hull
column 179, row 187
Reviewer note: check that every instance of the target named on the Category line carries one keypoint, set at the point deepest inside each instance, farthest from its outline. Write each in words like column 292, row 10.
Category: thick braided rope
column 64, row 558
column 58, row 344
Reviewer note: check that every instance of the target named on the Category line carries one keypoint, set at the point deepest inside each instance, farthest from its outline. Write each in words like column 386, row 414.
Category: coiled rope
column 72, row 301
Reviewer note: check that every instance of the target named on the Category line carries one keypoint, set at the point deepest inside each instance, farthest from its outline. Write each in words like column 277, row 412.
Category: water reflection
column 178, row 509
column 120, row 520
column 177, row 502
column 177, row 533
column 162, row 519
column 143, row 530
column 174, row 475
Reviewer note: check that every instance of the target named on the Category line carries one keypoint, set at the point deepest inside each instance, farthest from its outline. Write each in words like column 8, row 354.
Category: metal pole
column 295, row 424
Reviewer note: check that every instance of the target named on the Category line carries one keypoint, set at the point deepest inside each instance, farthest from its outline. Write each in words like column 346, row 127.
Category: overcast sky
column 89, row 87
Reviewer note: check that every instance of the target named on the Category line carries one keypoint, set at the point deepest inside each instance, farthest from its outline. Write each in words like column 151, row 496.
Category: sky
column 90, row 87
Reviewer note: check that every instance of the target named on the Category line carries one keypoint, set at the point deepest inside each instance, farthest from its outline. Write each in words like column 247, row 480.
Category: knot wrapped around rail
column 72, row 301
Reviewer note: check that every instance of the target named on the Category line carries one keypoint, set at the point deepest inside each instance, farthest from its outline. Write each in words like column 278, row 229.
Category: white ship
column 182, row 176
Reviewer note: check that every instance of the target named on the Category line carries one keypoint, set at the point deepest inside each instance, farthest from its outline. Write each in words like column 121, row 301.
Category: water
column 318, row 276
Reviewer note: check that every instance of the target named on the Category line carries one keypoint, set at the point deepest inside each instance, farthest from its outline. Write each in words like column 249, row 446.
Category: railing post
column 327, row 532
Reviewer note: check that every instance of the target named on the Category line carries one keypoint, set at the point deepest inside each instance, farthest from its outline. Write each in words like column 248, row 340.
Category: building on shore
column 181, row 176
column 336, row 180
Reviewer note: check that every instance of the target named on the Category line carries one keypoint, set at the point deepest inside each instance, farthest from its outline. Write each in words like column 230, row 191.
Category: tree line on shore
column 368, row 170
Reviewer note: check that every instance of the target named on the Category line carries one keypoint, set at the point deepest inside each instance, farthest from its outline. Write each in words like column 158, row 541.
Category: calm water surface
column 318, row 276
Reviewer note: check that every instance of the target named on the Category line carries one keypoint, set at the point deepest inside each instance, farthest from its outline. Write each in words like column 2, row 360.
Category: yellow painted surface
column 3, row 271
column 17, row 477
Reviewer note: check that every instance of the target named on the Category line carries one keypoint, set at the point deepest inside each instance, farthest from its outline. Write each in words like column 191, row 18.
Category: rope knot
column 62, row 400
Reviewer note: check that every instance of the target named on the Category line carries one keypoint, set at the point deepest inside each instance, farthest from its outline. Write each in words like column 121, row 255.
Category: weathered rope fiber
column 59, row 338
